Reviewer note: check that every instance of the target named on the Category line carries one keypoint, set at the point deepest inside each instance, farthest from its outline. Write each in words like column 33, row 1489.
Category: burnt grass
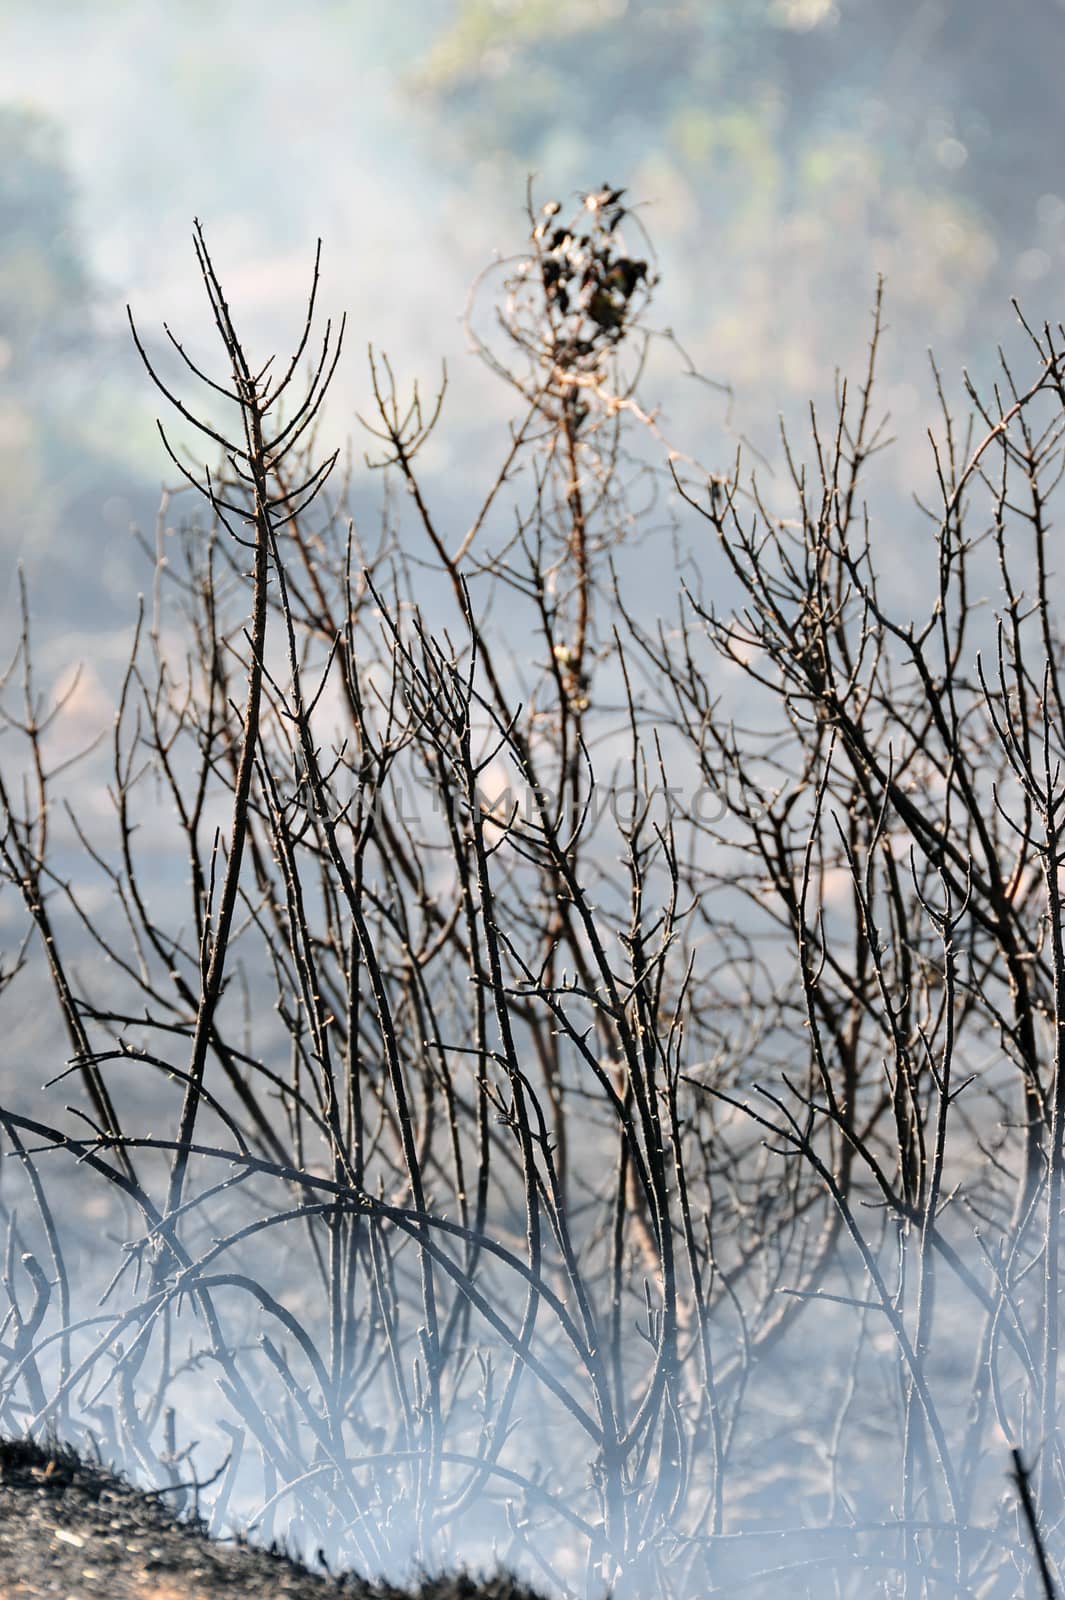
column 71, row 1529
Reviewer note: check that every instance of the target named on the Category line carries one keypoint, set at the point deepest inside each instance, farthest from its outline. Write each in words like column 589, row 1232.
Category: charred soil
column 71, row 1529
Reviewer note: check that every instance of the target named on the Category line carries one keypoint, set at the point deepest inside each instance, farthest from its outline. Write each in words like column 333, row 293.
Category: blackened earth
column 70, row 1529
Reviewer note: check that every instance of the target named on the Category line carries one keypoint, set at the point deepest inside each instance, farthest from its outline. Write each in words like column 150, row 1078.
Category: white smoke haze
column 591, row 1095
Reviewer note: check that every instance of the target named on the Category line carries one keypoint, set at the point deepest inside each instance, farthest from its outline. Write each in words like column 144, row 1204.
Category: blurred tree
column 66, row 434
column 44, row 286
column 799, row 146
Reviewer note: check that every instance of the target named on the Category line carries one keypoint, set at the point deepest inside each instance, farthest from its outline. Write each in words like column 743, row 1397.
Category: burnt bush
column 593, row 1089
